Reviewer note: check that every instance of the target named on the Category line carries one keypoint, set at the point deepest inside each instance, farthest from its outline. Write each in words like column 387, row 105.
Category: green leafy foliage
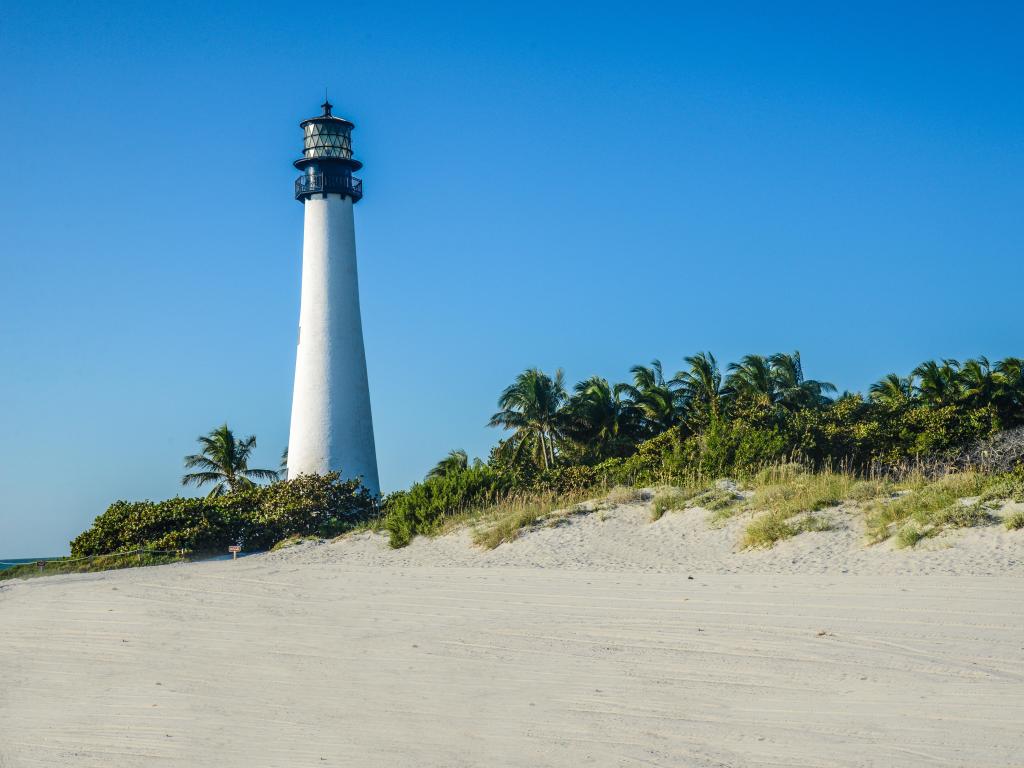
column 424, row 507
column 255, row 516
column 692, row 427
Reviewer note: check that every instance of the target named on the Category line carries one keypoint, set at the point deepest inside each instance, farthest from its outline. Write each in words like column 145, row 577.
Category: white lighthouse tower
column 331, row 429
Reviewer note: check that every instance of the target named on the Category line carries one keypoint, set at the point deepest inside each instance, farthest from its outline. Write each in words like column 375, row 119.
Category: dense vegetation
column 255, row 516
column 680, row 432
column 705, row 423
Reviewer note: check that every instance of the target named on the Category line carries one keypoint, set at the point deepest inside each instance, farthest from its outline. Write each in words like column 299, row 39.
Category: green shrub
column 323, row 506
column 256, row 517
column 425, row 507
column 1014, row 521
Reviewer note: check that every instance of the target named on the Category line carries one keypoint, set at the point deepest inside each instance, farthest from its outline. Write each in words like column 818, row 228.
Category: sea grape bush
column 256, row 517
column 422, row 508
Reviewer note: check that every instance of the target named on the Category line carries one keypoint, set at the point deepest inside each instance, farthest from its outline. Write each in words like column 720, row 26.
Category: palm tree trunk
column 543, row 447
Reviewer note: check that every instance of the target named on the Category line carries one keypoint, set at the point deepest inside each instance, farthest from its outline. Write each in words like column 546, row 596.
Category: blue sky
column 547, row 184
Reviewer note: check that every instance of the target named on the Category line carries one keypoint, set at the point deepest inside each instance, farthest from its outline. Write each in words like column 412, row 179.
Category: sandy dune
column 562, row 649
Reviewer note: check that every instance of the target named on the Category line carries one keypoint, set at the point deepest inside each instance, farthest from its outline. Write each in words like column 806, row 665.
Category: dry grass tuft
column 667, row 499
column 1014, row 521
column 789, row 491
column 932, row 506
column 909, row 535
column 623, row 494
column 676, row 498
column 767, row 529
column 504, row 522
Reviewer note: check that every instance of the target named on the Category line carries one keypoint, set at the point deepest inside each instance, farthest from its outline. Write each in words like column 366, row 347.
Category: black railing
column 309, row 184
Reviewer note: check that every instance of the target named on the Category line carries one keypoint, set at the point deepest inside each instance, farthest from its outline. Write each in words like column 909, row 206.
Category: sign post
column 234, row 549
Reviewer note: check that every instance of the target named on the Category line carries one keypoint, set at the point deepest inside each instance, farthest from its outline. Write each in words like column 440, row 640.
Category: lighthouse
column 331, row 427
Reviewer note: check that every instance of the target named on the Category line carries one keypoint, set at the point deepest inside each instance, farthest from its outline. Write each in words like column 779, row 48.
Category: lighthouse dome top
column 327, row 136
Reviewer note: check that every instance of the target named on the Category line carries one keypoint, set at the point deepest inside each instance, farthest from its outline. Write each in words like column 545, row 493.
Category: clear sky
column 547, row 184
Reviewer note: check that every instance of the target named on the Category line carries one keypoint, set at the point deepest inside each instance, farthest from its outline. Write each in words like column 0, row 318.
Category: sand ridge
column 623, row 538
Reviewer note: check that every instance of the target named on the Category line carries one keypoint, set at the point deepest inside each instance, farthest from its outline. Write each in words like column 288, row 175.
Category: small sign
column 41, row 564
column 234, row 549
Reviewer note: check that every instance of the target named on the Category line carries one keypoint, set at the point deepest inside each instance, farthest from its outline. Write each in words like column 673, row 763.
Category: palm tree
column 456, row 461
column 600, row 419
column 752, row 378
column 282, row 468
column 702, row 387
column 659, row 401
column 224, row 462
column 793, row 390
column 892, row 391
column 1009, row 397
column 532, row 406
column 979, row 384
column 777, row 380
column 939, row 385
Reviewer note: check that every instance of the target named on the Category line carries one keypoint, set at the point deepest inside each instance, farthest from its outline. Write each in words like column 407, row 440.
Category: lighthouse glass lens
column 328, row 140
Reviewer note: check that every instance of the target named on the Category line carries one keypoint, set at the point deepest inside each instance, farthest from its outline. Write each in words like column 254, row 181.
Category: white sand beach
column 582, row 643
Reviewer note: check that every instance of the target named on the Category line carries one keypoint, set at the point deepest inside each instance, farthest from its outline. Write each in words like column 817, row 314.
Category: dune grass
column 783, row 501
column 907, row 511
column 922, row 508
column 293, row 541
column 623, row 494
column 1014, row 521
column 695, row 492
column 786, row 500
column 1009, row 487
column 92, row 564
column 786, row 496
column 675, row 498
column 505, row 521
column 769, row 528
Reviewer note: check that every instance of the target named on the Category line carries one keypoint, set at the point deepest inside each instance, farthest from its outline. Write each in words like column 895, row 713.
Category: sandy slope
column 566, row 648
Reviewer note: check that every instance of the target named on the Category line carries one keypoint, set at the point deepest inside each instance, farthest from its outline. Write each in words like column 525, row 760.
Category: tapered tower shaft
column 331, row 425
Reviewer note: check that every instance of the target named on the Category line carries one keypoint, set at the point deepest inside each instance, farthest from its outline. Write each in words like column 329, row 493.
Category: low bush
column 256, row 517
column 426, row 506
